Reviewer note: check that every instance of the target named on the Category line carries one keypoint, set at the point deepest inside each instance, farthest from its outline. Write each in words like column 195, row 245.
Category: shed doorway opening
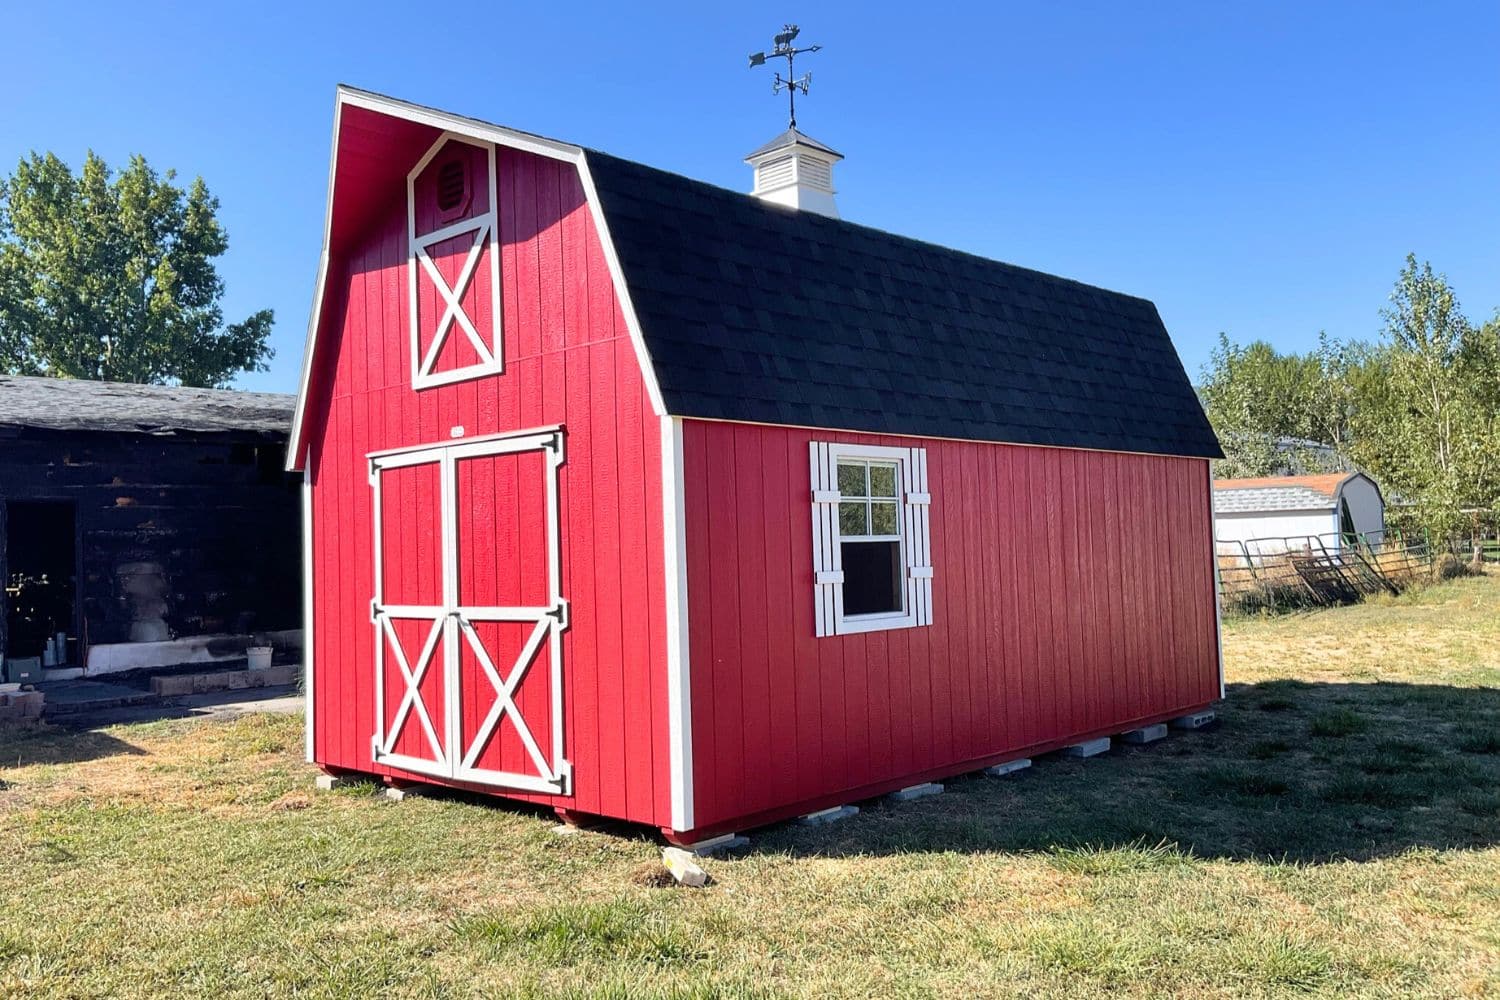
column 41, row 576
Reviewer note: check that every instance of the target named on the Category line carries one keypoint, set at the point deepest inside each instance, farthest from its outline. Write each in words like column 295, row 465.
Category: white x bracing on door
column 456, row 525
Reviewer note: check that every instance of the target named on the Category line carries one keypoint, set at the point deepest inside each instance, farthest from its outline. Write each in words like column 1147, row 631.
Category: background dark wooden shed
column 184, row 523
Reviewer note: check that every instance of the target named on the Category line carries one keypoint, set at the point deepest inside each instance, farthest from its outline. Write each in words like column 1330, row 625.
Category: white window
column 872, row 556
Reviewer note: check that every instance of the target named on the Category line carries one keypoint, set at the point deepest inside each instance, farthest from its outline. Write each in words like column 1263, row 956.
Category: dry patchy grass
column 1335, row 835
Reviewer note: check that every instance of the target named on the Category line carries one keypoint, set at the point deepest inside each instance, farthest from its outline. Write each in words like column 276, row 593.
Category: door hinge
column 559, row 611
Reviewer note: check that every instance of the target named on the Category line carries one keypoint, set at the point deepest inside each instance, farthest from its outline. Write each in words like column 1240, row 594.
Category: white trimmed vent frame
column 485, row 228
column 914, row 518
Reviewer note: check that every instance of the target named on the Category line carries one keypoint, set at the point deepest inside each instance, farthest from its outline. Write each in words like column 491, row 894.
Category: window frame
column 913, row 534
column 891, row 619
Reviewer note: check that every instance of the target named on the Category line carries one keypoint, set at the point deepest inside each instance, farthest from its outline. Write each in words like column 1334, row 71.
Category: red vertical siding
column 568, row 360
column 1072, row 596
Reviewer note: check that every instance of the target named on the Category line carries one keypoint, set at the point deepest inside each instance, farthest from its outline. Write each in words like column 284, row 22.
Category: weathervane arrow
column 784, row 49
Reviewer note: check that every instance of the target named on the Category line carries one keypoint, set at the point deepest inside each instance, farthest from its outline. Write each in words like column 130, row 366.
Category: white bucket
column 259, row 657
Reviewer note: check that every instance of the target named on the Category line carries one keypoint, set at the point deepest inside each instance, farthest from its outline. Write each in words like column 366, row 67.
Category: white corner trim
column 622, row 290
column 1213, row 566
column 307, row 610
column 679, row 689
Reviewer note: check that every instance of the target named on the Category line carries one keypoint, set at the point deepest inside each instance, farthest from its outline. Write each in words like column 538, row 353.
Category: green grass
column 1338, row 722
column 1338, row 834
column 572, row 932
column 1480, row 738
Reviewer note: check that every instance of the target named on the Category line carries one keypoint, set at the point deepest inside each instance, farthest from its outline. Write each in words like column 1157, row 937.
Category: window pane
column 882, row 480
column 852, row 479
column 872, row 577
column 853, row 519
column 883, row 518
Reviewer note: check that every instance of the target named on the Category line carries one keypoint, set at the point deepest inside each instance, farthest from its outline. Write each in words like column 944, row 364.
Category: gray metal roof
column 77, row 405
column 791, row 137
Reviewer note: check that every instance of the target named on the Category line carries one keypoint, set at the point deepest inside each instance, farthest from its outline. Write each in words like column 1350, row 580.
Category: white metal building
column 1280, row 512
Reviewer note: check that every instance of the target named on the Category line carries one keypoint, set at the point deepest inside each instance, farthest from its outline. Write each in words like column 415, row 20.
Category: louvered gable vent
column 452, row 186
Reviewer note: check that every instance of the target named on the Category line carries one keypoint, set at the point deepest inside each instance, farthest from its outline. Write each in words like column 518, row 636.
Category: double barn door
column 468, row 612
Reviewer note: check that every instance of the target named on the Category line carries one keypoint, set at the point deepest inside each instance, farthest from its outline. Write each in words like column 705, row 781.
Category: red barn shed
column 641, row 498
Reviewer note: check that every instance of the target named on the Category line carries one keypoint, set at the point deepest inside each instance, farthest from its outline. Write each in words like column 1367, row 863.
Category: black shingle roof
column 755, row 312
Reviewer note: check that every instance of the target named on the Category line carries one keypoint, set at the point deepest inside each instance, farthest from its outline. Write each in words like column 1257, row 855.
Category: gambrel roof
column 1280, row 493
column 744, row 310
column 753, row 311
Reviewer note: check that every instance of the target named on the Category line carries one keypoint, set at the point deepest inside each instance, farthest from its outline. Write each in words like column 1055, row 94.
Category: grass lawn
column 1337, row 834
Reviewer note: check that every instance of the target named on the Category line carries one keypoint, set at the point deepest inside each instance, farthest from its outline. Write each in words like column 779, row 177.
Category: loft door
column 468, row 612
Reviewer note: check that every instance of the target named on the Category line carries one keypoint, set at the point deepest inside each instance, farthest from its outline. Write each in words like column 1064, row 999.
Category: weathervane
column 791, row 84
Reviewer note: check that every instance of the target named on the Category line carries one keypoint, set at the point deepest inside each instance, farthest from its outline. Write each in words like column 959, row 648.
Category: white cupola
column 796, row 170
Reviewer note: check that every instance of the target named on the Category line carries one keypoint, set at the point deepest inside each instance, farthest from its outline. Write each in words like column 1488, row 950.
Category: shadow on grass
column 24, row 746
column 1296, row 771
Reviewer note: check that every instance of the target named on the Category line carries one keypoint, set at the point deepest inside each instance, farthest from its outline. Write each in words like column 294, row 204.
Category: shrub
column 1447, row 566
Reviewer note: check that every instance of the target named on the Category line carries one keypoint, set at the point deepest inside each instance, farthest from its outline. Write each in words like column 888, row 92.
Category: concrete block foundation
column 915, row 792
column 1009, row 767
column 1195, row 720
column 823, row 816
column 1089, row 748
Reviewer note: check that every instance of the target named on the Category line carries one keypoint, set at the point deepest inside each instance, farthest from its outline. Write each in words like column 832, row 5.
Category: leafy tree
column 114, row 278
column 1419, row 409
column 1268, row 408
column 1429, row 422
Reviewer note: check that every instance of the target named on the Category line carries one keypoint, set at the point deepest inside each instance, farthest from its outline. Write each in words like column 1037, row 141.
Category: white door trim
column 452, row 625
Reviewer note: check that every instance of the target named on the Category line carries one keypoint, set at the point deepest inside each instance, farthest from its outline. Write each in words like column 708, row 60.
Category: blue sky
column 1259, row 169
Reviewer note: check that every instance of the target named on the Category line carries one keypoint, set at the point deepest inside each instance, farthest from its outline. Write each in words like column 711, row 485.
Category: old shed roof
column 77, row 405
column 1277, row 493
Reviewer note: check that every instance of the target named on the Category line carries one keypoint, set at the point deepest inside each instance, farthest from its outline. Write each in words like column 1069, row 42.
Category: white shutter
column 918, row 536
column 828, row 595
